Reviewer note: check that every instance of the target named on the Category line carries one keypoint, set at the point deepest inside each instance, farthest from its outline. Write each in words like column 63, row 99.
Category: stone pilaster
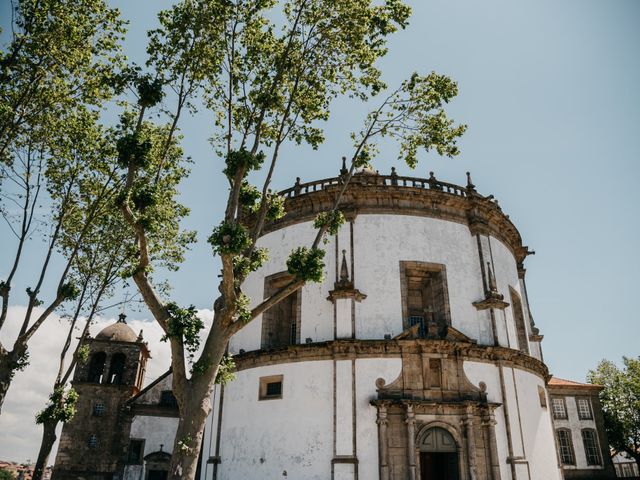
column 383, row 447
column 410, row 420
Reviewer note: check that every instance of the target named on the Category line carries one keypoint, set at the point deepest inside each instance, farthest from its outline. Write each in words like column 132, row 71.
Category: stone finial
column 296, row 186
column 121, row 318
column 140, row 337
column 344, row 271
column 343, row 170
column 470, row 185
column 393, row 172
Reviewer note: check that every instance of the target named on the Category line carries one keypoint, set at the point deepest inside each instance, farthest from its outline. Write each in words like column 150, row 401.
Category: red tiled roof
column 561, row 382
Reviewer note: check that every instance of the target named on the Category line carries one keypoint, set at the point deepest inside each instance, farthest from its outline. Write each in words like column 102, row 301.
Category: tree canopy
column 620, row 403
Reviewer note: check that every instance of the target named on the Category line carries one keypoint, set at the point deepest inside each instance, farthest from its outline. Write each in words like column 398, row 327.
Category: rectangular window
column 566, row 447
column 136, row 449
column 584, row 409
column 270, row 387
column 281, row 323
column 591, row 449
column 559, row 409
column 425, row 299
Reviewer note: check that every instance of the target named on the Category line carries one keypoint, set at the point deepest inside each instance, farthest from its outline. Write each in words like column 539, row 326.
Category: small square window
column 270, row 387
column 93, row 441
column 99, row 409
column 584, row 409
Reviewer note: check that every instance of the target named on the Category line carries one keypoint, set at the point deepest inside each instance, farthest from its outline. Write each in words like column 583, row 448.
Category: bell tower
column 93, row 444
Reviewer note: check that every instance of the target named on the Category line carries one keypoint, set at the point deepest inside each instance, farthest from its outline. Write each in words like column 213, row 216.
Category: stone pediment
column 447, row 333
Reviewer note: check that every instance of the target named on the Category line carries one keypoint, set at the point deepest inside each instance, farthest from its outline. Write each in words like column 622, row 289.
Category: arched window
column 565, row 444
column 96, row 367
column 518, row 317
column 117, row 368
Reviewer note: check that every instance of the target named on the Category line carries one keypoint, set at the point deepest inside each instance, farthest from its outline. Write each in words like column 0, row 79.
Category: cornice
column 392, row 194
column 358, row 349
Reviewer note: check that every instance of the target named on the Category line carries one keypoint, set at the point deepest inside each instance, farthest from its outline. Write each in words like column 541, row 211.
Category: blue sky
column 550, row 93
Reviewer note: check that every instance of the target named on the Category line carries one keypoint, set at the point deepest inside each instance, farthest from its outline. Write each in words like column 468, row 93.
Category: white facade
column 323, row 426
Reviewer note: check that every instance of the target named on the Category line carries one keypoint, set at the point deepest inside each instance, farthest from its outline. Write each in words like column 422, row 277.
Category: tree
column 267, row 71
column 96, row 271
column 6, row 475
column 60, row 65
column 620, row 403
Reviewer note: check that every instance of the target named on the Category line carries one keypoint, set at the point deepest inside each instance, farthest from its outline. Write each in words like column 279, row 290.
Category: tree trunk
column 6, row 375
column 186, row 449
column 48, row 439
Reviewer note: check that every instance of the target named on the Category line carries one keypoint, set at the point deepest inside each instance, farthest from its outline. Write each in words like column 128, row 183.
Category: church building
column 416, row 358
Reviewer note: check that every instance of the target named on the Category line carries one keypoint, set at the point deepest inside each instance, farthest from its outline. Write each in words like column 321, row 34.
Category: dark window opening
column 270, row 387
column 518, row 318
column 116, row 369
column 93, row 441
column 99, row 409
column 280, row 324
column 274, row 389
column 425, row 299
column 168, row 399
column 96, row 367
column 136, row 449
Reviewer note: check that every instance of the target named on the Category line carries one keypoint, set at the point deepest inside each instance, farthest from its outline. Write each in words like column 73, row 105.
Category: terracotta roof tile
column 561, row 382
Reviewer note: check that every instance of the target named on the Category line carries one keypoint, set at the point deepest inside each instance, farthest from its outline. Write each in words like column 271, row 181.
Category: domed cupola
column 118, row 332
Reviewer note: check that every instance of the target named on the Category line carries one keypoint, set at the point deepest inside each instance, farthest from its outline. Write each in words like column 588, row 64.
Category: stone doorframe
column 453, row 431
column 471, row 424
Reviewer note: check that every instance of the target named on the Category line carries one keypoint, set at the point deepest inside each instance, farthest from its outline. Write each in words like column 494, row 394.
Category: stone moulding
column 354, row 349
column 345, row 293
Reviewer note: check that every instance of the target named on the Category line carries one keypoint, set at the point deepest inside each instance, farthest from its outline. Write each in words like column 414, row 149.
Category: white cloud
column 20, row 438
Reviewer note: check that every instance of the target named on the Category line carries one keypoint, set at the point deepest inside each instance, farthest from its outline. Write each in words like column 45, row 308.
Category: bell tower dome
column 93, row 444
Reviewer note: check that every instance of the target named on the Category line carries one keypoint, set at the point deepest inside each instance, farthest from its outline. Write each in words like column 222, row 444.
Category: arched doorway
column 438, row 456
column 156, row 465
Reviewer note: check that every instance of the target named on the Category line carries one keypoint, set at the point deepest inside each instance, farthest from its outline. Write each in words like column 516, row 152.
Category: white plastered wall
column 156, row 431
column 293, row 434
column 383, row 241
column 367, row 372
column 529, row 422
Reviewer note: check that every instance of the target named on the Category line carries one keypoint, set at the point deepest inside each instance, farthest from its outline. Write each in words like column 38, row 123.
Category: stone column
column 410, row 420
column 490, row 427
column 383, row 448
column 471, row 444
